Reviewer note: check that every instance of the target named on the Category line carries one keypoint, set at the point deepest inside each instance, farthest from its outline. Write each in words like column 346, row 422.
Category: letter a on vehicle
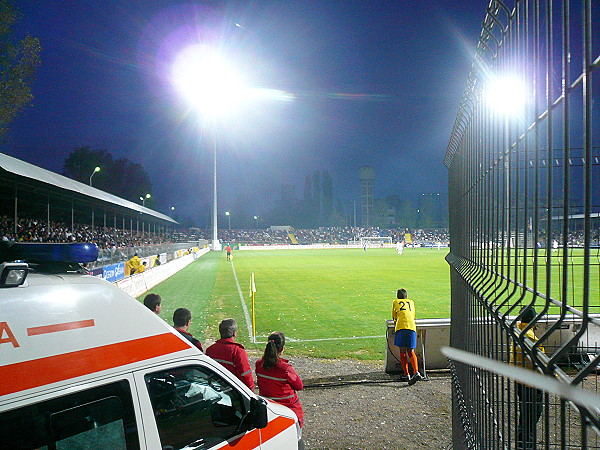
column 4, row 328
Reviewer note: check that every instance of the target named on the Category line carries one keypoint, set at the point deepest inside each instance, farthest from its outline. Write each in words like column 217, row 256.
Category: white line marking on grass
column 331, row 339
column 246, row 313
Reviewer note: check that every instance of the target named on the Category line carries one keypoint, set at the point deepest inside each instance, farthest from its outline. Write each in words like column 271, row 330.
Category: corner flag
column 252, row 284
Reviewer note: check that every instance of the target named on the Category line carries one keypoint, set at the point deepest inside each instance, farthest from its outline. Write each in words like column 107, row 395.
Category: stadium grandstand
column 37, row 205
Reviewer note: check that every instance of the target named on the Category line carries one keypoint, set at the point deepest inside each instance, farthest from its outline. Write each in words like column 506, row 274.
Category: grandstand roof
column 38, row 175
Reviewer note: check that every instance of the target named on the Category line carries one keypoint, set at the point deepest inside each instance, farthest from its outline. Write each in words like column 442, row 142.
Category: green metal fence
column 524, row 185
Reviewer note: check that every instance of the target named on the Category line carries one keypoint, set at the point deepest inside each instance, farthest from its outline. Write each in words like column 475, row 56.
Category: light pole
column 96, row 169
column 211, row 84
column 228, row 218
column 143, row 199
column 507, row 96
column 256, row 218
column 203, row 76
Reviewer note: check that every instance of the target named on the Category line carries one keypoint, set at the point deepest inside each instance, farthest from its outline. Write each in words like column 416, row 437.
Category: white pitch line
column 246, row 314
column 331, row 339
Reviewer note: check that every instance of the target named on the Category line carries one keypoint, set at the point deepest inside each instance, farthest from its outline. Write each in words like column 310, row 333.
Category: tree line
column 120, row 177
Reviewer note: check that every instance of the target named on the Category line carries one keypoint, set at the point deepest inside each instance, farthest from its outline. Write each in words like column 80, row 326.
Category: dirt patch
column 351, row 404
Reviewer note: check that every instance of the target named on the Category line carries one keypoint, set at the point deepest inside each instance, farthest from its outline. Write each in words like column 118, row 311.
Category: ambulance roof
column 56, row 327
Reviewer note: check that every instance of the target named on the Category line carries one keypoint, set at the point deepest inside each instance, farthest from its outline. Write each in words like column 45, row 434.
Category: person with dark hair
column 182, row 317
column 153, row 303
column 231, row 354
column 403, row 313
column 277, row 379
column 530, row 398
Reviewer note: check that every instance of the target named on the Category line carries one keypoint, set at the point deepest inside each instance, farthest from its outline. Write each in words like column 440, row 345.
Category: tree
column 316, row 206
column 327, row 199
column 130, row 181
column 120, row 177
column 80, row 164
column 18, row 62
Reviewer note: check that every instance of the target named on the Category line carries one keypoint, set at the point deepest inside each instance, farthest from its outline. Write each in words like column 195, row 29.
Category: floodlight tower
column 367, row 176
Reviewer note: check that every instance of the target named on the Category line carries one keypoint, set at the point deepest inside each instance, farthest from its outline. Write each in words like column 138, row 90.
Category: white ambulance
column 85, row 366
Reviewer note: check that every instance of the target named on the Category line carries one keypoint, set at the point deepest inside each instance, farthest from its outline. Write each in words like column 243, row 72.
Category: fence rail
column 524, row 187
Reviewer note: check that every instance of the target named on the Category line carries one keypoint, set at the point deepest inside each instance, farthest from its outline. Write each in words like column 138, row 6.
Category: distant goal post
column 375, row 241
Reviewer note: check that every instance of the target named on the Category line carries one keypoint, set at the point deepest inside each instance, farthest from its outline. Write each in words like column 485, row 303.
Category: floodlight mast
column 507, row 95
column 216, row 244
column 202, row 75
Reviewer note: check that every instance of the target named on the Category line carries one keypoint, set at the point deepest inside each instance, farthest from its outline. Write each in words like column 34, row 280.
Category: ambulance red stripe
column 40, row 372
column 253, row 439
column 34, row 331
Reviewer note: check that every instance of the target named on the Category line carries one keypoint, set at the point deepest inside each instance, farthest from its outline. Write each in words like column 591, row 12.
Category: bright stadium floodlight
column 213, row 87
column 207, row 80
column 506, row 94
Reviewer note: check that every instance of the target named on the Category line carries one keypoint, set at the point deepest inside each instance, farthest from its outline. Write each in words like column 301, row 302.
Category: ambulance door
column 194, row 407
column 102, row 415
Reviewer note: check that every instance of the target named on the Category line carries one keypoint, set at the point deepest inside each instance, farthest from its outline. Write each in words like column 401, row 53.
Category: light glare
column 207, row 81
column 507, row 95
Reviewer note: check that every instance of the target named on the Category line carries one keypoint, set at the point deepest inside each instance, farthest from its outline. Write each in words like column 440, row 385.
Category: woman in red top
column 277, row 379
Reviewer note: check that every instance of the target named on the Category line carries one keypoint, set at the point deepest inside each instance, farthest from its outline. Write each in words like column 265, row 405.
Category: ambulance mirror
column 258, row 412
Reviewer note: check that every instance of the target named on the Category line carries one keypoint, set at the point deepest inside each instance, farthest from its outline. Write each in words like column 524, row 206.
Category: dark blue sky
column 376, row 83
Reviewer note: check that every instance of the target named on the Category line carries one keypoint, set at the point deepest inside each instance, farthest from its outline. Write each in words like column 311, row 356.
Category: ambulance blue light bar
column 73, row 253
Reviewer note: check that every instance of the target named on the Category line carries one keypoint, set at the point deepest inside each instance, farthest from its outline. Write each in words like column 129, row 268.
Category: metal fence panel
column 524, row 185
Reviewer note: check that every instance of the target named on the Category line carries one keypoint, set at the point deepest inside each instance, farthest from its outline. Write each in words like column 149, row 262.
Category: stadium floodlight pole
column 214, row 87
column 96, row 169
column 228, row 218
column 216, row 244
column 507, row 95
column 205, row 78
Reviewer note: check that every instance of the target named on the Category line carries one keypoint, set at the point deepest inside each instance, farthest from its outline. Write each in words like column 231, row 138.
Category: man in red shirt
column 231, row 354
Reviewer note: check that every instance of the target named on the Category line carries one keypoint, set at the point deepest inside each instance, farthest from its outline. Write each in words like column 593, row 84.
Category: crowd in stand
column 327, row 235
column 108, row 238
column 32, row 230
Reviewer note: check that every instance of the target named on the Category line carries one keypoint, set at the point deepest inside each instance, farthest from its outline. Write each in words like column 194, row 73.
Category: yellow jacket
column 132, row 266
column 516, row 353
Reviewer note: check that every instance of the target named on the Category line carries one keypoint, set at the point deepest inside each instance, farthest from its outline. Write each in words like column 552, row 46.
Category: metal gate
column 524, row 185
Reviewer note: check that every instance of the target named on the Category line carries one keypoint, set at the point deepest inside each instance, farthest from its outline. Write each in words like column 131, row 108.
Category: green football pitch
column 329, row 303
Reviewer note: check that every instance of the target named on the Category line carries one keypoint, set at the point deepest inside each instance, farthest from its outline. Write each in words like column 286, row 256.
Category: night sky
column 375, row 83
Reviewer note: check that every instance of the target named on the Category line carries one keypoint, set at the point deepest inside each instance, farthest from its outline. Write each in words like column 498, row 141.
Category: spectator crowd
column 109, row 238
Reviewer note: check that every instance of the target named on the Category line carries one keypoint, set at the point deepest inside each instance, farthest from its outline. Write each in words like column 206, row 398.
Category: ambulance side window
column 195, row 407
column 100, row 418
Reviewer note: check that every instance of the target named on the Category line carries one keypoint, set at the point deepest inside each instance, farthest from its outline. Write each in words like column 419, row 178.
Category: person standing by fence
column 403, row 314
column 530, row 399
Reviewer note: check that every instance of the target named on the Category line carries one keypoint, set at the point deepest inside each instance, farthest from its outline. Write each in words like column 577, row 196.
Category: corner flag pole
column 252, row 291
